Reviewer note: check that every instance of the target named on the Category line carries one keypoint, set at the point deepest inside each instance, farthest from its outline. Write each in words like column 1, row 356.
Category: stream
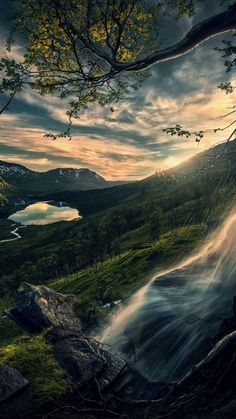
column 15, row 233
column 40, row 213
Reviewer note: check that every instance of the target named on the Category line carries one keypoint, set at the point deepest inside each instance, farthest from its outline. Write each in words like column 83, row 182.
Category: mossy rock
column 32, row 357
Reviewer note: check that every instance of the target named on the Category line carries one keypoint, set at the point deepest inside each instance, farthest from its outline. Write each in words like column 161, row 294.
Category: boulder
column 83, row 358
column 46, row 307
column 93, row 369
column 15, row 393
column 89, row 366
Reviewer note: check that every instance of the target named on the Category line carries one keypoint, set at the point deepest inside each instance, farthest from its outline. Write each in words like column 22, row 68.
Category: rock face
column 46, row 307
column 208, row 390
column 90, row 367
column 100, row 378
column 228, row 324
column 15, row 394
column 83, row 358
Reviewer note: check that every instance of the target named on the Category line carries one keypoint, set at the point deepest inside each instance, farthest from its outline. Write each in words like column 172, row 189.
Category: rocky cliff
column 101, row 384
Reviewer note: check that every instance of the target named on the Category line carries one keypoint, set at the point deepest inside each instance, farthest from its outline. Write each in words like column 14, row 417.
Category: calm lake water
column 44, row 213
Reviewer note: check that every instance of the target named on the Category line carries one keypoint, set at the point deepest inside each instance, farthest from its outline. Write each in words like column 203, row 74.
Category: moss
column 32, row 357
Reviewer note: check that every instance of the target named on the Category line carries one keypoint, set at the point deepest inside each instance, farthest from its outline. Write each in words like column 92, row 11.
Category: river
column 14, row 232
column 40, row 213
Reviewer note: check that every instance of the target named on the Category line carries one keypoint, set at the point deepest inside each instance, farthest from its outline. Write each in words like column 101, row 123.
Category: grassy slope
column 5, row 229
column 193, row 203
column 33, row 358
column 213, row 167
column 48, row 253
column 119, row 277
column 116, row 278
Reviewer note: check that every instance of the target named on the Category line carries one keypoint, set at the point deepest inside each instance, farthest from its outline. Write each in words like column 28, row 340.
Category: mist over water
column 170, row 324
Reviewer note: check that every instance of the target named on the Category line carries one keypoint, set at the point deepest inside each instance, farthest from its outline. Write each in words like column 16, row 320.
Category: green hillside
column 214, row 167
column 126, row 234
column 4, row 188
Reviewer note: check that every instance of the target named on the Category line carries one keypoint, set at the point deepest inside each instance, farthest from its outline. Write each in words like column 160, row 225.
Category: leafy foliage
column 95, row 51
column 228, row 52
column 68, row 48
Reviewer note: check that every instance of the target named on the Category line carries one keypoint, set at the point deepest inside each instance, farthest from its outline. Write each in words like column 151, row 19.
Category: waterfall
column 170, row 324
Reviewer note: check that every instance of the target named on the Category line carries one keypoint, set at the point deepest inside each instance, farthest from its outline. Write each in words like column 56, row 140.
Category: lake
column 42, row 213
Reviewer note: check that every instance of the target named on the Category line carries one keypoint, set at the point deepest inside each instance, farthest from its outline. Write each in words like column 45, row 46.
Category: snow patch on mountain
column 12, row 170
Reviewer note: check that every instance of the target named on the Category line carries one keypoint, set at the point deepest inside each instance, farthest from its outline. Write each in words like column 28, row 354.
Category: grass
column 47, row 253
column 32, row 357
column 119, row 277
column 8, row 329
column 5, row 229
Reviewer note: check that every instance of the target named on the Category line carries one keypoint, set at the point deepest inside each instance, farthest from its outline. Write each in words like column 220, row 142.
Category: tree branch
column 209, row 28
column 4, row 108
column 222, row 23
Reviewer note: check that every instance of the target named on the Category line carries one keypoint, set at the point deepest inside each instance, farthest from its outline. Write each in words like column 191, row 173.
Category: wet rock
column 228, row 325
column 87, row 362
column 216, row 370
column 46, row 307
column 234, row 307
column 207, row 390
column 15, row 393
column 91, row 368
column 83, row 358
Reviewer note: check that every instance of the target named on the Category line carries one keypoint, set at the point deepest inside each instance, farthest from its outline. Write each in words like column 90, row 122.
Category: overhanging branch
column 222, row 23
column 4, row 108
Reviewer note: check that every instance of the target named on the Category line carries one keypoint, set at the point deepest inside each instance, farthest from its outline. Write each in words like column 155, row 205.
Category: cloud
column 128, row 143
column 114, row 148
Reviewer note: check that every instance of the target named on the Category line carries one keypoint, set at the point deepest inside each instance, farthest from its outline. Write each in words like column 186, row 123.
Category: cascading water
column 169, row 324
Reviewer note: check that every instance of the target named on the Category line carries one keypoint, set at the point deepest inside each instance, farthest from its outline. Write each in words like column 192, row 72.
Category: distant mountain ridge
column 221, row 155
column 4, row 188
column 210, row 162
column 55, row 180
column 215, row 166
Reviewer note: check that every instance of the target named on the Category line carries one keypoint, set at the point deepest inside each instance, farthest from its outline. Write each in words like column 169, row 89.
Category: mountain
column 3, row 190
column 209, row 169
column 56, row 180
column 91, row 192
column 219, row 157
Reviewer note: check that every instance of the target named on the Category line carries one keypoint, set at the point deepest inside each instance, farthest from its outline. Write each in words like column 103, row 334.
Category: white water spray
column 169, row 324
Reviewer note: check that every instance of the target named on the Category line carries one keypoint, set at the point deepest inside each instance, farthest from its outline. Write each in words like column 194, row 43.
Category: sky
column 129, row 143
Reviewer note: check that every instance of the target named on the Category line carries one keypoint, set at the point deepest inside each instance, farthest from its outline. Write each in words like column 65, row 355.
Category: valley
column 126, row 233
column 129, row 251
column 118, row 209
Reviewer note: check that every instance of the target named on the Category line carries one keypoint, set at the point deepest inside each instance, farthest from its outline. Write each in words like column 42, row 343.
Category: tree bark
column 222, row 23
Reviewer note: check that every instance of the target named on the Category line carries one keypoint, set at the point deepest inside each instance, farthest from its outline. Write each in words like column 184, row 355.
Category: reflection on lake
column 44, row 213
